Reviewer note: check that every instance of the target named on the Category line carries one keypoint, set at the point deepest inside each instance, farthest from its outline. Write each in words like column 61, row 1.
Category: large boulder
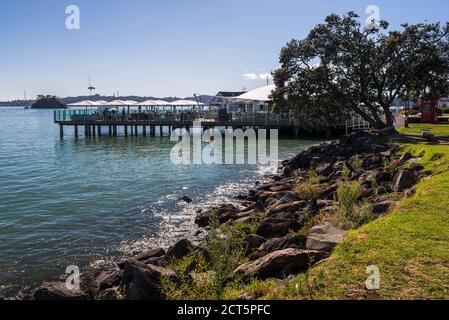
column 325, row 169
column 325, row 237
column 143, row 282
column 148, row 254
column 58, row 291
column 278, row 225
column 181, row 249
column 404, row 179
column 405, row 157
column 253, row 241
column 329, row 192
column 312, row 208
column 289, row 241
column 290, row 207
column 289, row 197
column 186, row 199
column 382, row 207
column 280, row 264
column 108, row 279
column 295, row 241
column 367, row 178
column 223, row 213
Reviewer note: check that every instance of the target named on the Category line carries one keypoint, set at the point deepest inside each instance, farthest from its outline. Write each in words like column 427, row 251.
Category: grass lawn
column 439, row 130
column 410, row 246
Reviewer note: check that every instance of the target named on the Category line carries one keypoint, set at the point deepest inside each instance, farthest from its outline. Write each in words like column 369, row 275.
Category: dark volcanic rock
column 143, row 282
column 290, row 241
column 325, row 169
column 280, row 264
column 329, row 192
column 290, row 207
column 181, row 249
column 152, row 253
column 108, row 279
column 223, row 213
column 278, row 225
column 253, row 241
column 58, row 291
column 381, row 207
column 406, row 157
column 404, row 179
column 158, row 261
column 312, row 208
column 417, row 167
column 186, row 199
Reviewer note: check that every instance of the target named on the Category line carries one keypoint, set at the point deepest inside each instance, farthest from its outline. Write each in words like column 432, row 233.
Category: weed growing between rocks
column 348, row 195
column 209, row 273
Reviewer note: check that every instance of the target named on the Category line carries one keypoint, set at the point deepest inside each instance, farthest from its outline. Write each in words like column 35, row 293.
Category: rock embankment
column 287, row 224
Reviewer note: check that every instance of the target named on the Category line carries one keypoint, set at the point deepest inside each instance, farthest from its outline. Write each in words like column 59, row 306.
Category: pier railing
column 89, row 116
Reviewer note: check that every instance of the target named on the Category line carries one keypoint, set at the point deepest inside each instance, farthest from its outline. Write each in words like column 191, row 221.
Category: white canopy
column 259, row 94
column 85, row 103
column 117, row 103
column 163, row 103
column 186, row 103
column 152, row 103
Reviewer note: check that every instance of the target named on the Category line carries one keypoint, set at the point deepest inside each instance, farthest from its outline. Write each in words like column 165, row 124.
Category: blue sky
column 164, row 48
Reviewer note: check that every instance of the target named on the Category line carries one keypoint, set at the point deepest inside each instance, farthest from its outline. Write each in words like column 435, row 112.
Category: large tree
column 343, row 66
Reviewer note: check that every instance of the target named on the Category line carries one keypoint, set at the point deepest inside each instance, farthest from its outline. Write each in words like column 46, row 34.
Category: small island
column 48, row 102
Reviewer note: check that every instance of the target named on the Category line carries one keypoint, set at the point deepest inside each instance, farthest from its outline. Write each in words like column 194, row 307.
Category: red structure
column 429, row 111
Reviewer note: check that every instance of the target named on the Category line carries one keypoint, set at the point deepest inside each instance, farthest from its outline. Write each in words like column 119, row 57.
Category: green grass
column 410, row 246
column 439, row 130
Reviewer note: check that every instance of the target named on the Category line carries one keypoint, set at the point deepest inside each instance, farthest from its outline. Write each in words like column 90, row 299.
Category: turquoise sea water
column 89, row 202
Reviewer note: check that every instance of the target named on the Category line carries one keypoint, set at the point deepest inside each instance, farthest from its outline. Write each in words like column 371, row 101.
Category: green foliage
column 225, row 251
column 346, row 172
column 348, row 195
column 357, row 164
column 342, row 65
column 310, row 188
column 391, row 167
column 212, row 273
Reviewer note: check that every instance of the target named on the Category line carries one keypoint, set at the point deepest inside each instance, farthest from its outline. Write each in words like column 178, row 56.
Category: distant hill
column 67, row 100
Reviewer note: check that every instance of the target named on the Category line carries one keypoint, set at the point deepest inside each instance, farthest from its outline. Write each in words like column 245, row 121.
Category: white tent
column 186, row 103
column 84, row 103
column 163, row 103
column 119, row 103
column 259, row 94
column 152, row 103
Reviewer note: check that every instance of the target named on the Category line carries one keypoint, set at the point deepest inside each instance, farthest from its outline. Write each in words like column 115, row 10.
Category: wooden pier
column 150, row 123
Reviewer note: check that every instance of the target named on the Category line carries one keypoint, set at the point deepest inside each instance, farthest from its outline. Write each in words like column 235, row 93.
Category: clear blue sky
column 164, row 48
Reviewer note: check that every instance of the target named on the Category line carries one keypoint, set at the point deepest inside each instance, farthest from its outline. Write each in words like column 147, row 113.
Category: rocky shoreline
column 285, row 226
